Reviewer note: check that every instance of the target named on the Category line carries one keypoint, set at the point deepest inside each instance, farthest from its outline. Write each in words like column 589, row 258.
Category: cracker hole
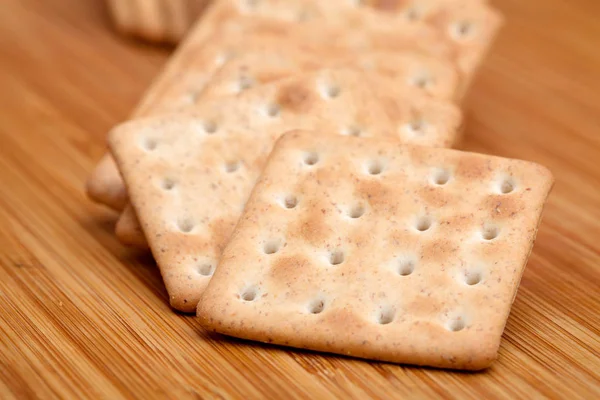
column 351, row 131
column 185, row 225
column 205, row 269
column 331, row 91
column 490, row 232
column 462, row 30
column 244, row 83
column 440, row 176
column 290, row 201
column 271, row 247
column 472, row 277
column 316, row 306
column 272, row 110
column 336, row 257
column 506, row 186
column 232, row 166
column 375, row 167
column 386, row 315
column 209, row 127
column 423, row 223
column 149, row 144
column 251, row 3
column 167, row 184
column 303, row 15
column 412, row 14
column 224, row 57
column 311, row 158
column 456, row 324
column 416, row 127
column 249, row 294
column 406, row 267
column 356, row 211
column 422, row 81
column 191, row 97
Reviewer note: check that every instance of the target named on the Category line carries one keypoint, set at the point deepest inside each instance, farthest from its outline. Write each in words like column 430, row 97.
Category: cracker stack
column 365, row 234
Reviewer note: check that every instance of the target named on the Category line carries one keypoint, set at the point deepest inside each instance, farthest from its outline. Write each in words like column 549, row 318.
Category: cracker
column 410, row 74
column 129, row 231
column 184, row 77
column 189, row 175
column 155, row 20
column 379, row 250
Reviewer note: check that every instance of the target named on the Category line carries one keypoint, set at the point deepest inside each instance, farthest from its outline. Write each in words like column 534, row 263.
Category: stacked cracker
column 365, row 235
column 165, row 21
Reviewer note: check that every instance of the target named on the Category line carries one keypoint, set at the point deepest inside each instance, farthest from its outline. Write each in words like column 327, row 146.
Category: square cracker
column 415, row 73
column 185, row 75
column 379, row 250
column 412, row 71
column 189, row 175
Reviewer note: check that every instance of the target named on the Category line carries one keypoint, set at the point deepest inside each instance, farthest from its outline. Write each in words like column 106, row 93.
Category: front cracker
column 376, row 249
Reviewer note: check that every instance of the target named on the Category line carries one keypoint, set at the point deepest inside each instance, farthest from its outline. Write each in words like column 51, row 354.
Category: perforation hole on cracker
column 440, row 176
column 185, row 225
column 462, row 30
column 232, row 166
column 209, row 127
column 490, row 232
column 290, row 201
column 416, row 127
column 272, row 246
column 249, row 293
column 412, row 14
column 356, row 211
column 456, row 324
column 336, row 257
column 244, row 83
column 149, row 144
column 225, row 56
column 167, row 184
column 472, row 277
column 190, row 97
column 206, row 269
column 422, row 80
column 385, row 315
column 405, row 265
column 310, row 158
column 330, row 91
column 272, row 110
column 316, row 306
column 423, row 223
column 506, row 185
column 351, row 130
column 375, row 167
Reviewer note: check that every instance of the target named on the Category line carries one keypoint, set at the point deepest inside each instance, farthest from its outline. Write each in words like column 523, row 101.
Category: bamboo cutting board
column 82, row 317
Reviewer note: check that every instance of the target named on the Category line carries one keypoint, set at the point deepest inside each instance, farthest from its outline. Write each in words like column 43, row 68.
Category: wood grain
column 82, row 317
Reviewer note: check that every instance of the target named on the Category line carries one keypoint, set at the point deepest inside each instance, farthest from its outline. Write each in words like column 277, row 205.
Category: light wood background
column 83, row 317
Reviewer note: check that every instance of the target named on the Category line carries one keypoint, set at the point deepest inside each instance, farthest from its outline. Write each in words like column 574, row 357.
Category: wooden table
column 83, row 317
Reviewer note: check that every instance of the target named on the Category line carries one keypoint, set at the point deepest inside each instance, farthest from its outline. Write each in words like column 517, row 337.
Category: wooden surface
column 82, row 317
